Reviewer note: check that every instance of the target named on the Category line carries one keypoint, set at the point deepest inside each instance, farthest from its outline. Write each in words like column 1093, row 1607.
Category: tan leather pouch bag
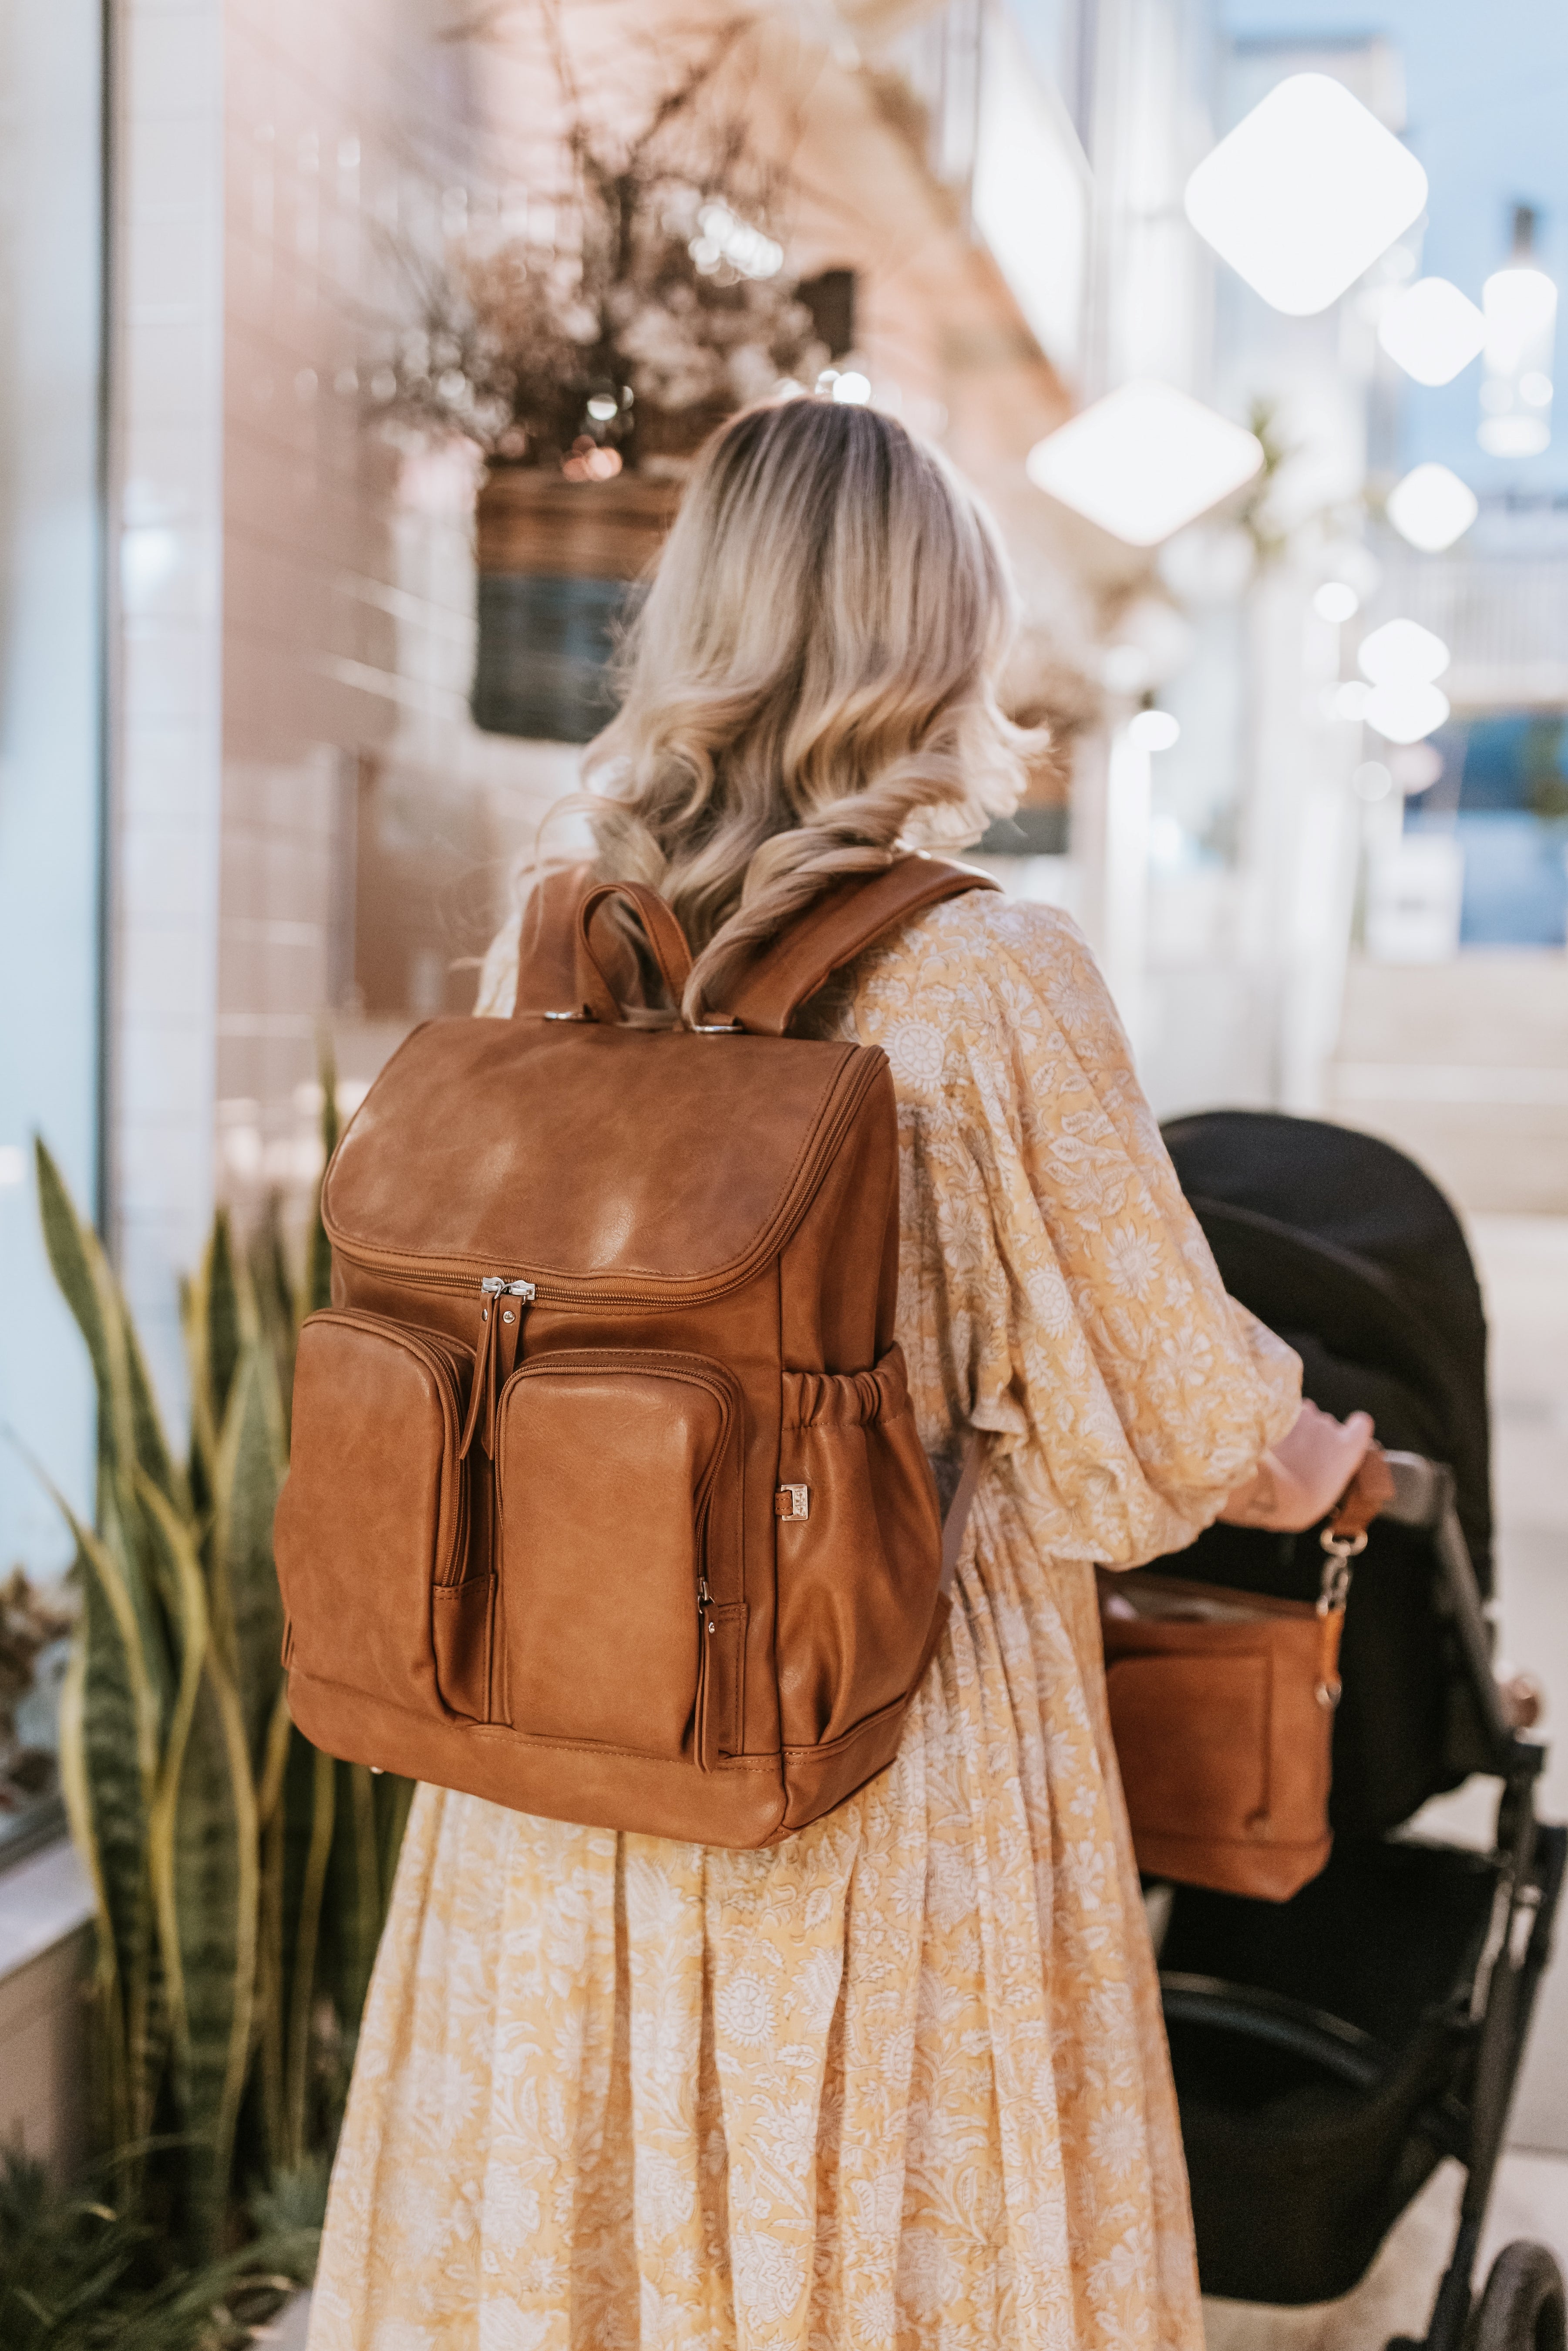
column 1222, row 1712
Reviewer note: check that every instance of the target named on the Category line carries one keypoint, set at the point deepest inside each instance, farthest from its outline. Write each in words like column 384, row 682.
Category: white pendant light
column 1516, row 396
column 1402, row 659
column 1336, row 602
column 1305, row 193
column 1432, row 330
column 1432, row 507
column 1144, row 461
column 1153, row 730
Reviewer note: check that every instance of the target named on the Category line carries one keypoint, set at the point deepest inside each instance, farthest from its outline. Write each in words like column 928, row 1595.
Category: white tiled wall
column 49, row 767
column 348, row 587
column 298, row 590
column 169, row 467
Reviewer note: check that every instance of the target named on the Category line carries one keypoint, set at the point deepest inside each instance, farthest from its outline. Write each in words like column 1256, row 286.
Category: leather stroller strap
column 1369, row 1492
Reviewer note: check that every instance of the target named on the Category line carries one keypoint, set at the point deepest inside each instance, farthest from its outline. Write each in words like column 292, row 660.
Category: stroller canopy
column 1347, row 1250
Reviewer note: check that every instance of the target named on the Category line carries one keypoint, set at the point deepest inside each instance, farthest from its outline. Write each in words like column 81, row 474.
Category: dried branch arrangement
column 641, row 299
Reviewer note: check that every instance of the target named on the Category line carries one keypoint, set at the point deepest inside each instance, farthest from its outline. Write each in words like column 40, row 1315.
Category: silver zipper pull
column 496, row 1285
column 481, row 1419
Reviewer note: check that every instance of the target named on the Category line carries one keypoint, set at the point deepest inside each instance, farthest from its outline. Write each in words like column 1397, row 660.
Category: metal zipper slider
column 496, row 1285
column 496, row 1354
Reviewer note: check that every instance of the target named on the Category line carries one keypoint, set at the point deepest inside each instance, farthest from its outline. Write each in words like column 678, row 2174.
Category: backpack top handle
column 563, row 962
column 595, row 988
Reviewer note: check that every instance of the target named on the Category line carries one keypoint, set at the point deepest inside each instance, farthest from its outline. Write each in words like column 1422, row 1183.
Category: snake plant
column 81, row 2271
column 241, row 1876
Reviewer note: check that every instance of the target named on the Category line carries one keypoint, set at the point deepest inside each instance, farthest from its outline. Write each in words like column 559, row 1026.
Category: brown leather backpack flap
column 585, row 1153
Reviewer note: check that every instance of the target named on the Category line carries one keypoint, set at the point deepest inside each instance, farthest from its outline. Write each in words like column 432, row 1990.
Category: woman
column 901, row 2079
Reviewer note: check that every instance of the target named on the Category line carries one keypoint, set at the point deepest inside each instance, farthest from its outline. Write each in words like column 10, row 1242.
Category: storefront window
column 50, row 767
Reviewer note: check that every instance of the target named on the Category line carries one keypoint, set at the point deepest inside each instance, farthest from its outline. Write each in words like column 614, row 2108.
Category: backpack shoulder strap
column 833, row 932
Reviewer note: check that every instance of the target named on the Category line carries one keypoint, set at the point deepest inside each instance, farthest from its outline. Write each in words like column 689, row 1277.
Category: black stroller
column 1328, row 2051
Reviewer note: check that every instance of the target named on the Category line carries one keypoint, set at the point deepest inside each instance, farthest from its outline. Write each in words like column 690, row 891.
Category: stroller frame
column 1529, row 1861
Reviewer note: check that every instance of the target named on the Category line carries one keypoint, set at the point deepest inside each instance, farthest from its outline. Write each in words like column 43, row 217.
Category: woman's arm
column 1303, row 1475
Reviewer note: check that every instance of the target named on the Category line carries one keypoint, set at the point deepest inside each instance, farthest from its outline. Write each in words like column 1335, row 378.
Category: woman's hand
column 1299, row 1479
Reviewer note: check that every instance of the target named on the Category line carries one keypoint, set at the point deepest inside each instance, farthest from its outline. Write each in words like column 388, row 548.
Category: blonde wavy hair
column 808, row 689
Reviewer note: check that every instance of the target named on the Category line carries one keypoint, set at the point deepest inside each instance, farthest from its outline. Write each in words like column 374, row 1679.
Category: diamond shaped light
column 1432, row 507
column 1402, row 653
column 1405, row 711
column 1432, row 330
column 1305, row 193
column 1144, row 461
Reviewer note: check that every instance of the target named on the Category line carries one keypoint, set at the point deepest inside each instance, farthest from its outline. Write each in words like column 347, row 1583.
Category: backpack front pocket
column 860, row 1549
column 620, row 1489
column 373, row 1516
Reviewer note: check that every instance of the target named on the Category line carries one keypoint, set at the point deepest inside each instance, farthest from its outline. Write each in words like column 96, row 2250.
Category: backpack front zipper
column 500, row 1332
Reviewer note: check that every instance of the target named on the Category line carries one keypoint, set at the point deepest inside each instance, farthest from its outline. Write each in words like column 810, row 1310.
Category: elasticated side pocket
column 860, row 1549
column 619, row 1480
column 373, row 1514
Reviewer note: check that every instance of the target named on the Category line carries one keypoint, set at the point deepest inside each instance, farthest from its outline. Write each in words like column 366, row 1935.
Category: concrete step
column 1464, row 1065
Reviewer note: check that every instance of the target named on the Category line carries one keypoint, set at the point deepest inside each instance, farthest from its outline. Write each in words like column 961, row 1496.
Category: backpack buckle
column 792, row 1502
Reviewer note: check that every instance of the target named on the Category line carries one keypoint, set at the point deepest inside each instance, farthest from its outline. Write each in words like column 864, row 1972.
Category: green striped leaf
column 110, row 1765
column 355, row 1908
column 247, row 1608
column 206, row 1856
column 309, row 1805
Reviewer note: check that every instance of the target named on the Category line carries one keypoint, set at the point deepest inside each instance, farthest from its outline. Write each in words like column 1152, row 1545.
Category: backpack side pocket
column 860, row 1549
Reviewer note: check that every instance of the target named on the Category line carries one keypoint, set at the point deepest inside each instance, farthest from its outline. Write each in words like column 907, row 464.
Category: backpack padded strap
column 833, row 931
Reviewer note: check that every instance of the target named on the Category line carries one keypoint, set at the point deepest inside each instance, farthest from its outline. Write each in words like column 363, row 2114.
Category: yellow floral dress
column 898, row 2083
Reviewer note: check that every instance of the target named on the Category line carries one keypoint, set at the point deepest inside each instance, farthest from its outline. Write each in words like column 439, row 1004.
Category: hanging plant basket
column 561, row 565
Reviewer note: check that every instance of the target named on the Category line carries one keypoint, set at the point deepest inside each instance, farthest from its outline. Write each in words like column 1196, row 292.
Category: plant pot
column 560, row 570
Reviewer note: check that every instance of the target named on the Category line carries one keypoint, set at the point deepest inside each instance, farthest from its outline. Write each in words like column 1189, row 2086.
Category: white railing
column 1504, row 621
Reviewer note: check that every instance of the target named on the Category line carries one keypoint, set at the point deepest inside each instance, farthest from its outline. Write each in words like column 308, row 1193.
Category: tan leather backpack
column 606, row 1499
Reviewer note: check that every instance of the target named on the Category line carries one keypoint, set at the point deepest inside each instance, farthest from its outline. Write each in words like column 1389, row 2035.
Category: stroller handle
column 1424, row 1497
column 1423, row 1490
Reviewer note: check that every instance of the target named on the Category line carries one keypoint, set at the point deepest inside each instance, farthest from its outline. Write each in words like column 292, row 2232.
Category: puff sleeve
column 1055, row 1288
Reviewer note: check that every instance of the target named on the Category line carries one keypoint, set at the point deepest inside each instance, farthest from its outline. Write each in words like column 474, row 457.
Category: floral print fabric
column 898, row 2083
